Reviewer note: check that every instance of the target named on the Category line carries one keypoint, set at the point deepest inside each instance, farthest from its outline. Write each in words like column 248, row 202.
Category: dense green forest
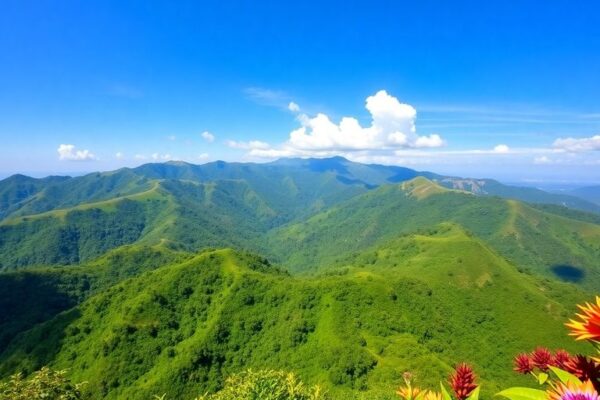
column 170, row 277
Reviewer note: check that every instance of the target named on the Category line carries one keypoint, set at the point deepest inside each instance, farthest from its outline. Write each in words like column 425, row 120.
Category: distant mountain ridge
column 60, row 221
column 588, row 193
column 20, row 195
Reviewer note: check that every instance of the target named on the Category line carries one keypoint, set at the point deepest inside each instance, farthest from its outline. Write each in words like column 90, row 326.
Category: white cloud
column 429, row 141
column 172, row 138
column 578, row 145
column 293, row 107
column 203, row 156
column 392, row 126
column 251, row 145
column 140, row 157
column 209, row 137
column 119, row 155
column 68, row 152
column 502, row 149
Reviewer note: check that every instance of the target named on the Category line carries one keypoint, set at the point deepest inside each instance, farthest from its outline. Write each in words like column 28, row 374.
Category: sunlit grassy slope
column 417, row 302
column 535, row 240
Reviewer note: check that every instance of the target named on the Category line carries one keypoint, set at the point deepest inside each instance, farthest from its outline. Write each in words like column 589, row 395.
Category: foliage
column 564, row 376
column 130, row 279
column 180, row 328
column 44, row 384
column 266, row 385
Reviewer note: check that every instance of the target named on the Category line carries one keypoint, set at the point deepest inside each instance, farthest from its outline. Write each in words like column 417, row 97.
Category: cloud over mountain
column 392, row 126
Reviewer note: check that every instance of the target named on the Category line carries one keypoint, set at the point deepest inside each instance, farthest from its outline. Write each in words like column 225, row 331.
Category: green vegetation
column 266, row 385
column 182, row 328
column 44, row 384
column 154, row 280
column 534, row 240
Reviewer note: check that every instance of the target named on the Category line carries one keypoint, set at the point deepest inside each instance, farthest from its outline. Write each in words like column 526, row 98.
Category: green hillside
column 417, row 303
column 49, row 291
column 155, row 279
column 293, row 187
column 539, row 242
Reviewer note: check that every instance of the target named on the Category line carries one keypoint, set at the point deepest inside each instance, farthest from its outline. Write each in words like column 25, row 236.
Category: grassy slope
column 418, row 303
column 533, row 239
column 51, row 290
column 189, row 215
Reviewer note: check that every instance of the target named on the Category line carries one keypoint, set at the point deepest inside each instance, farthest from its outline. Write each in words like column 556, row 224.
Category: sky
column 506, row 90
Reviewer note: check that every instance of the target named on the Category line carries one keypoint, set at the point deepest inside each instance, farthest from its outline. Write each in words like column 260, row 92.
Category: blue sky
column 485, row 89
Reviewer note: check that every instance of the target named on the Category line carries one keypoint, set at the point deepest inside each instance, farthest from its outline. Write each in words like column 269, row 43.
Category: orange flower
column 408, row 392
column 431, row 395
column 588, row 327
column 573, row 391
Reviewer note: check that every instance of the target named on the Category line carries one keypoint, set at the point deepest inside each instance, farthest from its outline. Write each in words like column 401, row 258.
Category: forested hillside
column 169, row 277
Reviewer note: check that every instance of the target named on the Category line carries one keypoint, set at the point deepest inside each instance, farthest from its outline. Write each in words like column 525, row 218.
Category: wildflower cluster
column 566, row 376
column 462, row 382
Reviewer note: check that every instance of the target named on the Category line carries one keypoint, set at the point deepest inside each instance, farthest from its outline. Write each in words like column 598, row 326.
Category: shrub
column 266, row 385
column 44, row 384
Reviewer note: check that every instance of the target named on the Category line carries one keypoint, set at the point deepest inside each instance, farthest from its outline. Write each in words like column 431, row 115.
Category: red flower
column 585, row 369
column 541, row 358
column 463, row 381
column 560, row 359
column 523, row 363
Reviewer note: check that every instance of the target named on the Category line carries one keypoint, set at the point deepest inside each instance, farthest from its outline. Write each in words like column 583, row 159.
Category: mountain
column 490, row 187
column 16, row 189
column 166, row 278
column 296, row 187
column 417, row 303
column 71, row 220
column 588, row 193
column 541, row 242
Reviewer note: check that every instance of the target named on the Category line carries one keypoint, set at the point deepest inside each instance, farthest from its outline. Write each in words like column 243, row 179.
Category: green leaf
column 542, row 378
column 474, row 394
column 445, row 394
column 521, row 393
column 564, row 376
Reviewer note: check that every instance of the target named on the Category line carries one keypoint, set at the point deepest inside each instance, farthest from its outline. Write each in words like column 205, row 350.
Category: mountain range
column 166, row 278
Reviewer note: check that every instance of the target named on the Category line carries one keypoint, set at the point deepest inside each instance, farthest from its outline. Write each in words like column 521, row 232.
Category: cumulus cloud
column 209, row 137
column 578, row 144
column 119, row 155
column 203, row 156
column 68, row 152
column 392, row 126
